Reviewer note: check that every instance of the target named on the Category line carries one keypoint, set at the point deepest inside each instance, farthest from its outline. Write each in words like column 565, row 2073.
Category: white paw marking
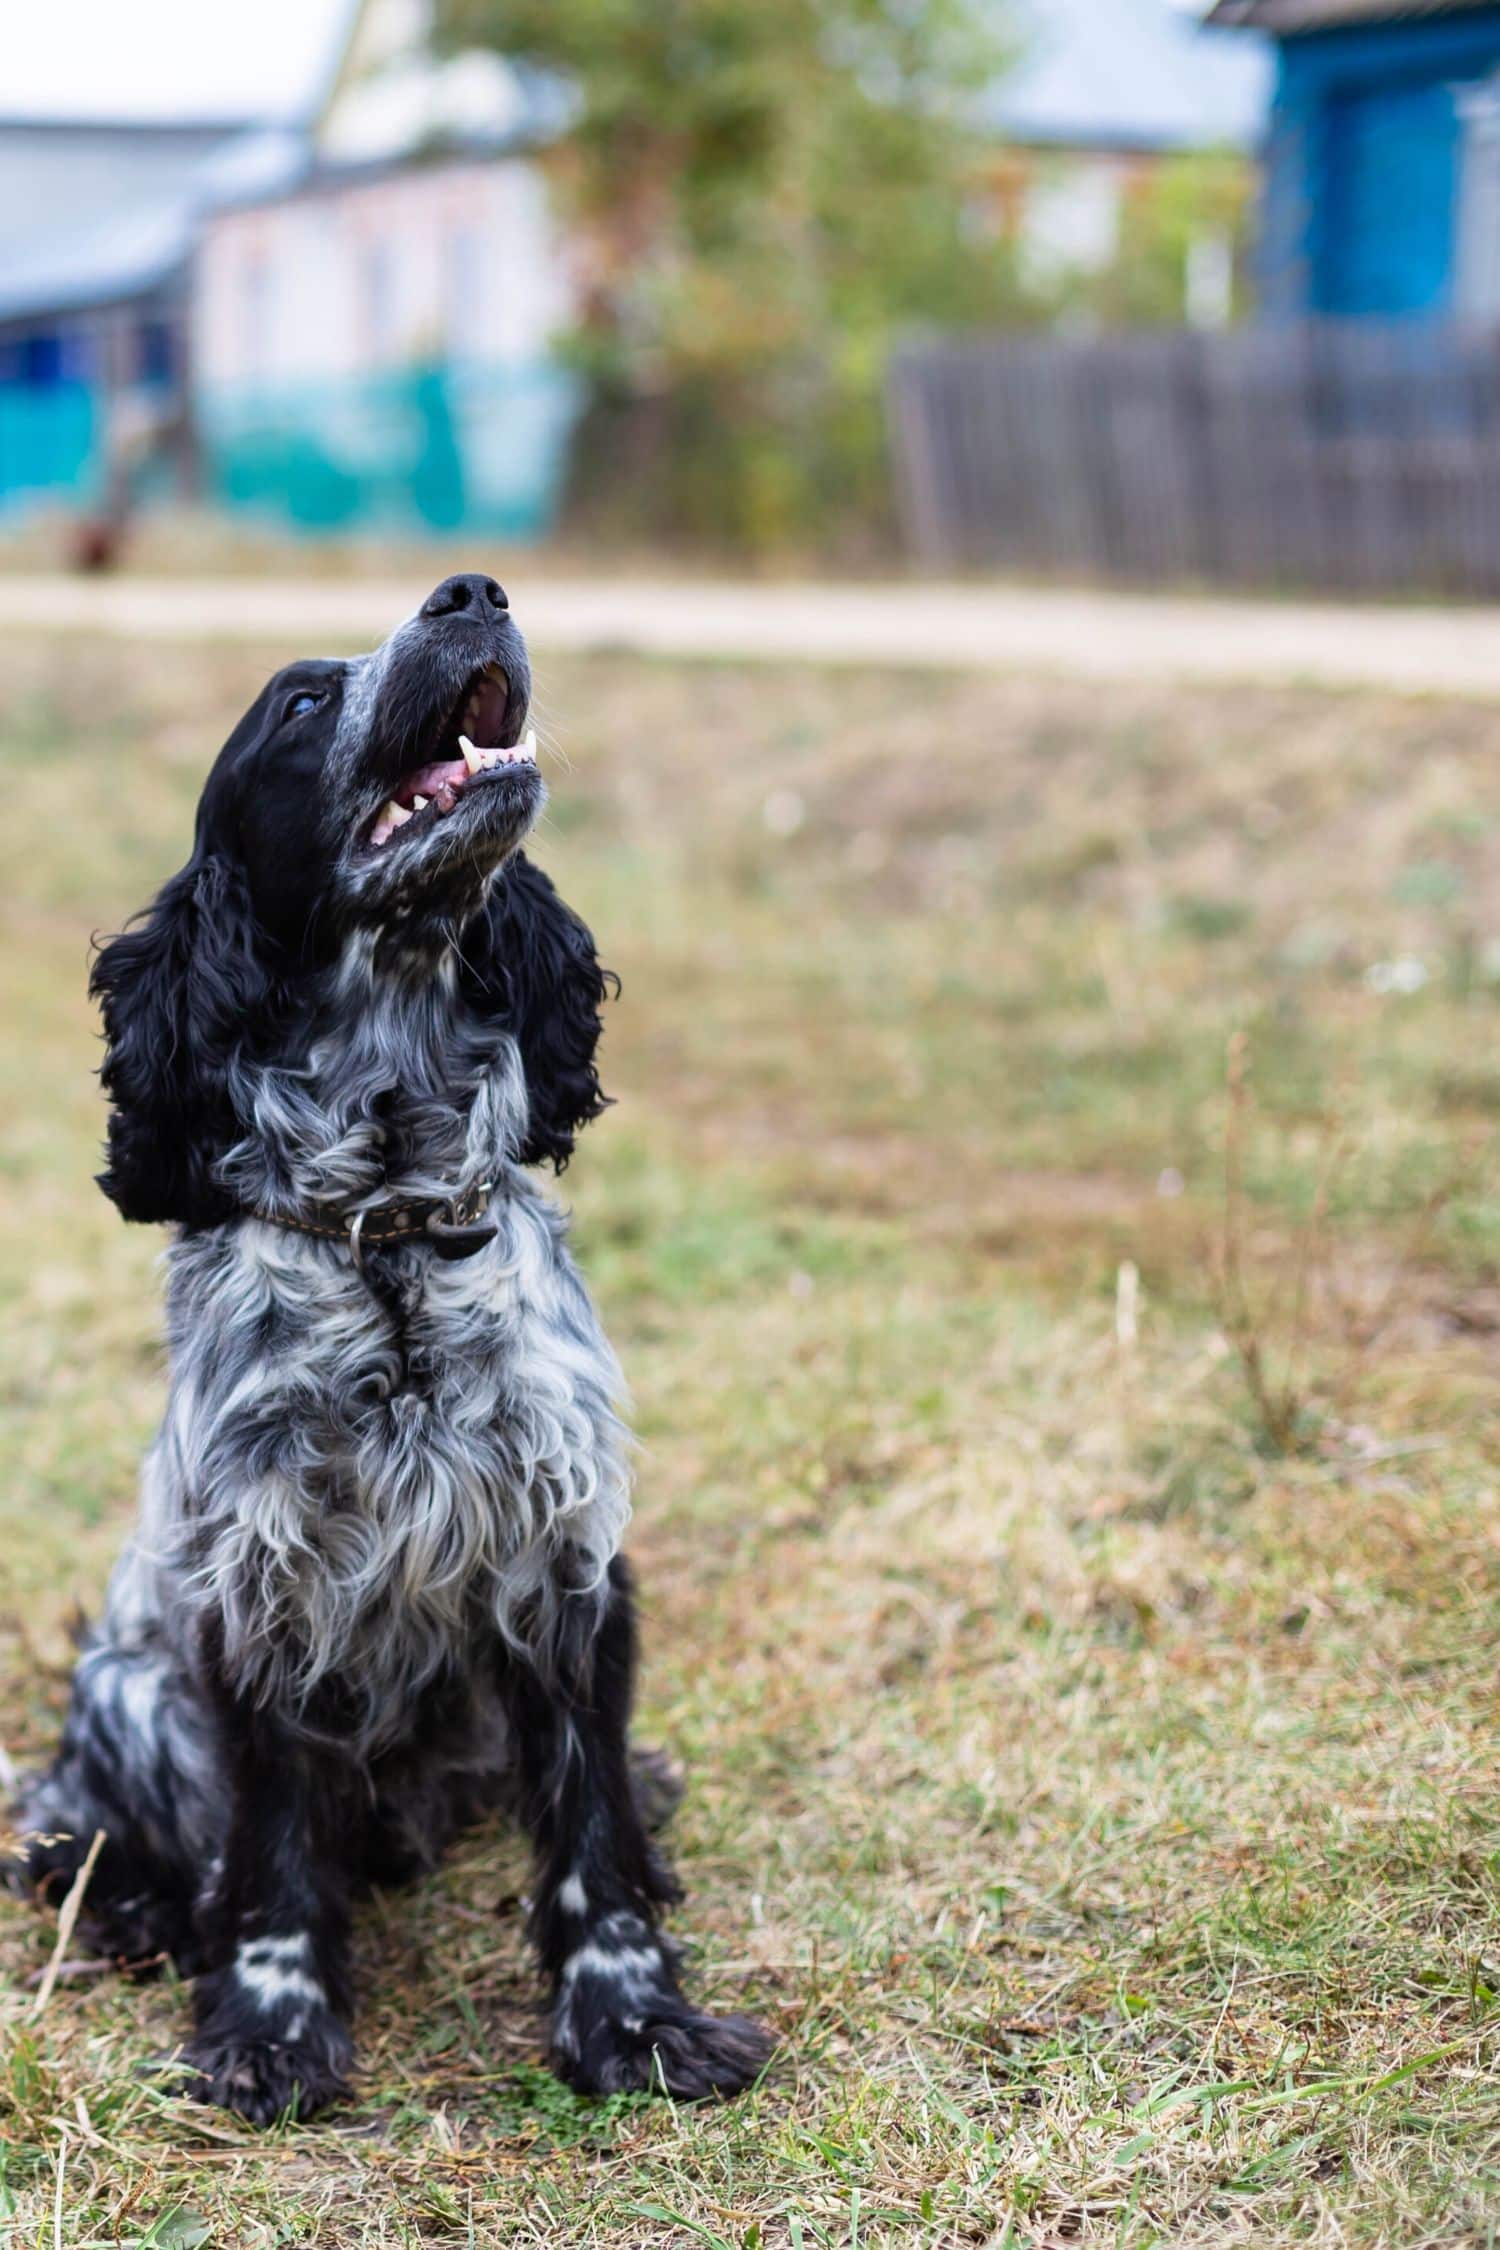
column 273, row 1970
column 635, row 1969
column 572, row 1897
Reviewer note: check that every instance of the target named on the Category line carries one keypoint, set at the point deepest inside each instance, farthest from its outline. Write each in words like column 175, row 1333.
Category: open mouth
column 469, row 745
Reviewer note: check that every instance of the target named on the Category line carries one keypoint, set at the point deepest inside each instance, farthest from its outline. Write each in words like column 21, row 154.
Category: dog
column 376, row 1587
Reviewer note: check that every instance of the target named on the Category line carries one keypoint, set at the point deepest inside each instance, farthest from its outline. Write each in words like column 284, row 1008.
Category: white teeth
column 478, row 760
column 523, row 752
column 392, row 816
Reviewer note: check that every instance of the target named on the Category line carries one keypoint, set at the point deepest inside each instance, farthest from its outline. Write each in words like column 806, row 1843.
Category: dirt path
column 1001, row 628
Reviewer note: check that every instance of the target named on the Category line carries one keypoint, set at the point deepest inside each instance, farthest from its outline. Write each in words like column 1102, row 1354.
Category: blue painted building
column 96, row 235
column 1382, row 183
column 373, row 339
column 342, row 321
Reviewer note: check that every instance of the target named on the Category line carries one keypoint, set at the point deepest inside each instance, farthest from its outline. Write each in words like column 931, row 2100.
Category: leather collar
column 453, row 1226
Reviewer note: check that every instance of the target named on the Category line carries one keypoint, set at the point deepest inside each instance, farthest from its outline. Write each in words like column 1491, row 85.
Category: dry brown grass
column 1099, row 1801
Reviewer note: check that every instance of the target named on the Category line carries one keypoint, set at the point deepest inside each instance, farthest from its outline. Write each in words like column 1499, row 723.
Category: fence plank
column 1350, row 456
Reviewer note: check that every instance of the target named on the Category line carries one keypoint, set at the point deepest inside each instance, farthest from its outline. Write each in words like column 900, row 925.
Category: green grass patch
column 1096, row 1797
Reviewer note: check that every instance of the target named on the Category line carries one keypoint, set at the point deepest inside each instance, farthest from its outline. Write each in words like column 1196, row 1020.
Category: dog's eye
column 298, row 706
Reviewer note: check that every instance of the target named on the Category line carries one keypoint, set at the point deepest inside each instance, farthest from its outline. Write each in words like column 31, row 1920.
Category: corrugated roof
column 158, row 61
column 92, row 214
column 1281, row 16
column 1126, row 74
column 98, row 214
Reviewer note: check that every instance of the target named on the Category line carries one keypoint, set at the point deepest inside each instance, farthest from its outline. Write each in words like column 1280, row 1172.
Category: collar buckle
column 465, row 1228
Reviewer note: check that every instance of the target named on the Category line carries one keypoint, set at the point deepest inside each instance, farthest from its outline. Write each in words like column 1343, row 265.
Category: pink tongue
column 428, row 780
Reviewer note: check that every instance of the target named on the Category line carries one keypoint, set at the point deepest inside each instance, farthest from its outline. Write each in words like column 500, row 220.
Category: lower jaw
column 448, row 888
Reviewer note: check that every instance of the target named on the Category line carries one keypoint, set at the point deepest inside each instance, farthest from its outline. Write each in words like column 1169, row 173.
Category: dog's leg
column 139, row 1762
column 619, row 2019
column 272, row 2011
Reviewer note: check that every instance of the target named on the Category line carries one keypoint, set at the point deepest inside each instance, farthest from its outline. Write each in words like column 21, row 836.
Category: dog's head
column 384, row 791
column 382, row 799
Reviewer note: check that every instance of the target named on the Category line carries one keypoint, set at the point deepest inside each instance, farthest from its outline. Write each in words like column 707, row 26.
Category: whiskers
column 548, row 735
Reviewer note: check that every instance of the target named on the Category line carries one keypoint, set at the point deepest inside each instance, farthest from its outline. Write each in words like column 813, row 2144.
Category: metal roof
column 157, row 61
column 99, row 214
column 1279, row 17
column 1128, row 74
column 96, row 214
column 1125, row 75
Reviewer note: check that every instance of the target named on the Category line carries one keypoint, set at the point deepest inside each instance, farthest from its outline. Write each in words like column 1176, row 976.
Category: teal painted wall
column 437, row 448
column 49, row 443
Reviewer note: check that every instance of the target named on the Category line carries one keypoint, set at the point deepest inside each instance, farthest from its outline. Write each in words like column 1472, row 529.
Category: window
column 255, row 309
column 42, row 358
column 464, row 293
column 1071, row 220
column 156, row 353
column 1476, row 292
column 378, row 296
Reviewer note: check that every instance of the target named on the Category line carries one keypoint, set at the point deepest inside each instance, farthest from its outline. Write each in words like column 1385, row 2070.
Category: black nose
column 466, row 591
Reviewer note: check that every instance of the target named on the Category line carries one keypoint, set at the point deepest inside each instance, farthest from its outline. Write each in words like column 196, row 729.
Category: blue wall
column 1363, row 166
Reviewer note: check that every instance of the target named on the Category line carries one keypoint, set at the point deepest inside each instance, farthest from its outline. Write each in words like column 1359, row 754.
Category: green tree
column 768, row 191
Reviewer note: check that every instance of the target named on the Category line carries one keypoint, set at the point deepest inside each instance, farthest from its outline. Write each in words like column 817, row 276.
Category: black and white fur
column 376, row 1585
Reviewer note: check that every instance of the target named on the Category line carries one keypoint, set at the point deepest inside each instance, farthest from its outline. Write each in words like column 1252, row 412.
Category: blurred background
column 1079, row 287
column 1003, row 496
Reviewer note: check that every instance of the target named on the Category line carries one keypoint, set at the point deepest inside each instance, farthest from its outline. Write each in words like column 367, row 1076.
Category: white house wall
column 459, row 262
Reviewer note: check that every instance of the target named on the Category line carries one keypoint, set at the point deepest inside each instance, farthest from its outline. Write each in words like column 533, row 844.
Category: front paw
column 674, row 2050
column 621, row 2026
column 263, row 2079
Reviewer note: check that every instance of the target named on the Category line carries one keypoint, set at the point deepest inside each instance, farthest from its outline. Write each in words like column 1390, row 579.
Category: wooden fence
column 1356, row 458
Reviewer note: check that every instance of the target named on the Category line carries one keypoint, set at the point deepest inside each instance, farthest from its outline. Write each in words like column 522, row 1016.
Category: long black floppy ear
column 532, row 962
column 181, row 989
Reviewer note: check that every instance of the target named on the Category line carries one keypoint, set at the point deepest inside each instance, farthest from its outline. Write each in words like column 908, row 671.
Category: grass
column 1092, row 1784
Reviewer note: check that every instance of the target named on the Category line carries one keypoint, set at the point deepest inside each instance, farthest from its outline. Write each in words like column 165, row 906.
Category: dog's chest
column 354, row 1467
column 289, row 1351
column 351, row 1492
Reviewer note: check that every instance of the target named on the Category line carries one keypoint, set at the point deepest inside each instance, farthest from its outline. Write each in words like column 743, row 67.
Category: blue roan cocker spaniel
column 376, row 1587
